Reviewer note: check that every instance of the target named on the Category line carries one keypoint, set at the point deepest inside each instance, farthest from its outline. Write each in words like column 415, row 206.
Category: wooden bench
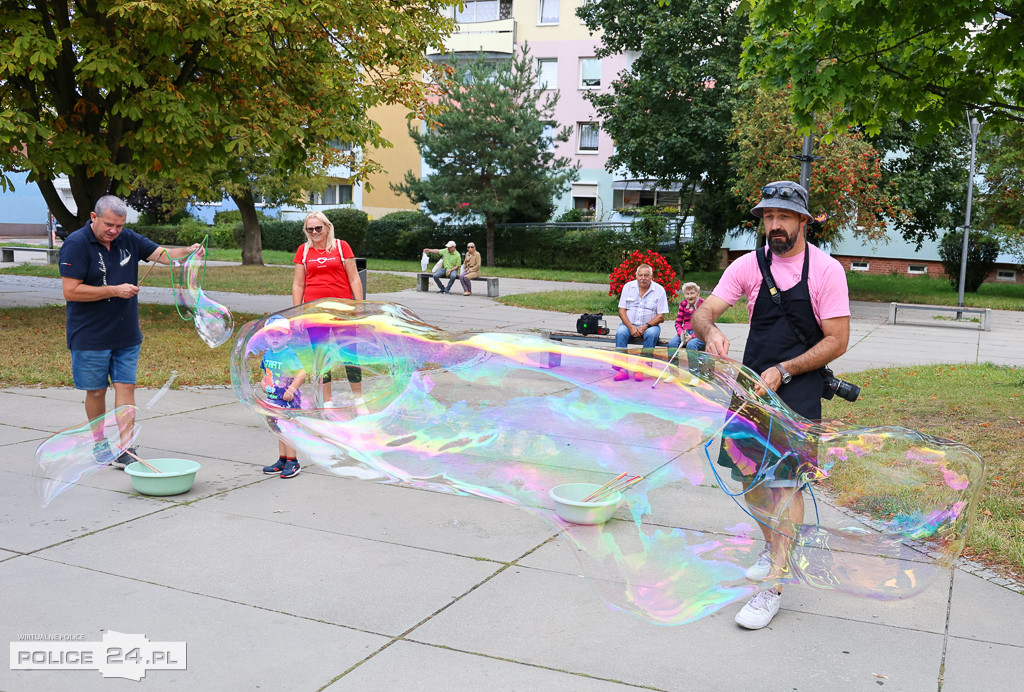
column 555, row 359
column 52, row 254
column 423, row 283
column 985, row 313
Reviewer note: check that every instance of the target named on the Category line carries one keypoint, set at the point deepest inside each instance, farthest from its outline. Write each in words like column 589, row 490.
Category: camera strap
column 763, row 263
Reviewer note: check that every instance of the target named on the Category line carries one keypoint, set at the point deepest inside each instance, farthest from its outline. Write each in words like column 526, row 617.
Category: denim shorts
column 94, row 370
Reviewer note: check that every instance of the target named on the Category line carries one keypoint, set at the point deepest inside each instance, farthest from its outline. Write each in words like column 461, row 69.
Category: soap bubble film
column 213, row 321
column 508, row 417
column 72, row 455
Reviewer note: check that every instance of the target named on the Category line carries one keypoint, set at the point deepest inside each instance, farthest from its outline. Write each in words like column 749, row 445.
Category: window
column 860, row 266
column 587, row 204
column 549, row 134
column 474, row 11
column 547, row 73
column 590, row 73
column 547, row 11
column 1006, row 275
column 917, row 268
column 333, row 194
column 588, row 137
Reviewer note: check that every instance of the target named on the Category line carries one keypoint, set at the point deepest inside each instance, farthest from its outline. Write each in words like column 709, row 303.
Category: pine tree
column 491, row 151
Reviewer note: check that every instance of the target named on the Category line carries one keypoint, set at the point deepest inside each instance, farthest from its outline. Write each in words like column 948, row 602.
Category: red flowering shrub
column 664, row 274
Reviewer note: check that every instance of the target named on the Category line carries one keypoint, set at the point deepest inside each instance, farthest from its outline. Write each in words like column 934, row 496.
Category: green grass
column 251, row 279
column 978, row 405
column 33, row 352
column 932, row 291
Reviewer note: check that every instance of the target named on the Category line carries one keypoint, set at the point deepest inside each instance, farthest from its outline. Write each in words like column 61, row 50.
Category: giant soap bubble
column 213, row 321
column 508, row 417
column 72, row 455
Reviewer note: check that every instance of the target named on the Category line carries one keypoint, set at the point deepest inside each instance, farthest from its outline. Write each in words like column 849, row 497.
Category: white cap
column 450, row 243
column 277, row 323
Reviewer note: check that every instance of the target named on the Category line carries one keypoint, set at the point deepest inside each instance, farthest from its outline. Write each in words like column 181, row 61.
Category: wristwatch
column 786, row 377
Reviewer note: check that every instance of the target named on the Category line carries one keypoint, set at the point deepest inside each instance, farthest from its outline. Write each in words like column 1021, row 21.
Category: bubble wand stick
column 151, row 268
column 670, row 359
column 144, row 462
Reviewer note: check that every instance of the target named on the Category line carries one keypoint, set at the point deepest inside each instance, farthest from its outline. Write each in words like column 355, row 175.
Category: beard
column 781, row 244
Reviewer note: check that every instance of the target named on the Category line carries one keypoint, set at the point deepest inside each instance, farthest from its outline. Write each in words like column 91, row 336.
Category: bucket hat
column 782, row 194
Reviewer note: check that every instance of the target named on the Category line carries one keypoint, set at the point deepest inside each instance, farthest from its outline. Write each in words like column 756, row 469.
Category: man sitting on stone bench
column 643, row 306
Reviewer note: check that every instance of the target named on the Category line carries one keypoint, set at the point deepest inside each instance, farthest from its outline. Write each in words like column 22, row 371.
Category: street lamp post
column 975, row 128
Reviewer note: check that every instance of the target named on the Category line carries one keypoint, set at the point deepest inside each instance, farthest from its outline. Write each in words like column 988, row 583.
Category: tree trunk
column 57, row 207
column 252, row 245
column 490, row 240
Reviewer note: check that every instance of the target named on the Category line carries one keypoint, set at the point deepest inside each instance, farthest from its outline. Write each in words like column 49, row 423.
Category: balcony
column 496, row 37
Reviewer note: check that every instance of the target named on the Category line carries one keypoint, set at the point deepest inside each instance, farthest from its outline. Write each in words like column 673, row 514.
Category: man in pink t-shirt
column 812, row 301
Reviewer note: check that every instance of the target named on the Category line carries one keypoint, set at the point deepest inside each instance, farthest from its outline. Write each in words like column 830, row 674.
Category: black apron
column 771, row 339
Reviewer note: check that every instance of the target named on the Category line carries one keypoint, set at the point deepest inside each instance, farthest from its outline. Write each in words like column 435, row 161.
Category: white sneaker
column 760, row 570
column 759, row 610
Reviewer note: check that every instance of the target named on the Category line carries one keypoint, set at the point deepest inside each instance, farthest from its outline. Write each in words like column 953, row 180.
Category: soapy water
column 72, row 455
column 213, row 321
column 509, row 416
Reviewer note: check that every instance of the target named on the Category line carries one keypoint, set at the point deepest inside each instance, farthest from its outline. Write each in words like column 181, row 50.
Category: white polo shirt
column 642, row 309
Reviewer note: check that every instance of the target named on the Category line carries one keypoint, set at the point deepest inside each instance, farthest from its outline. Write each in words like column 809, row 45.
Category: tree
column 982, row 250
column 918, row 60
column 489, row 151
column 927, row 177
column 846, row 183
column 111, row 93
column 1002, row 200
column 670, row 113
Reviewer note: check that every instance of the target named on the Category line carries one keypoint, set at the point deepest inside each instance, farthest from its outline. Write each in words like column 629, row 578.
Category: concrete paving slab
column 50, row 418
column 212, row 439
column 12, row 435
column 466, row 526
column 26, row 527
column 230, row 646
column 986, row 612
column 972, row 665
column 407, row 665
column 374, row 586
column 548, row 619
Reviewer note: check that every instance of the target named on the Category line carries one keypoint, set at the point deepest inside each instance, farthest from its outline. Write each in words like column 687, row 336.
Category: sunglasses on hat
column 770, row 191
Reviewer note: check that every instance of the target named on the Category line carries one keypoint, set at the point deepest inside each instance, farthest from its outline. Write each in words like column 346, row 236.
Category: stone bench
column 985, row 313
column 423, row 283
column 52, row 254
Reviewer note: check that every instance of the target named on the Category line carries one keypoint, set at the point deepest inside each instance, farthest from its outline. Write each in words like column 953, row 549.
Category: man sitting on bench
column 643, row 306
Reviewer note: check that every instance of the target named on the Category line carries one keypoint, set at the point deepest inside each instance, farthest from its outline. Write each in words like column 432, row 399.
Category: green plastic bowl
column 176, row 478
column 569, row 504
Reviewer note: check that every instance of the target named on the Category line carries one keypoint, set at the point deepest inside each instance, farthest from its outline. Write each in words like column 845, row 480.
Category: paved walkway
column 325, row 582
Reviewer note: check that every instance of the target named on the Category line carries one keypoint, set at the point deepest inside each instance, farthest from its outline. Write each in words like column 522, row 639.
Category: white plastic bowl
column 569, row 504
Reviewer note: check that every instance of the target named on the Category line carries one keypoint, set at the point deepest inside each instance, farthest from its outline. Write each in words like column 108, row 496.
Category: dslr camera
column 834, row 385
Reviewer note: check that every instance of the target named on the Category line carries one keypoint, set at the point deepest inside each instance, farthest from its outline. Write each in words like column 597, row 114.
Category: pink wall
column 572, row 107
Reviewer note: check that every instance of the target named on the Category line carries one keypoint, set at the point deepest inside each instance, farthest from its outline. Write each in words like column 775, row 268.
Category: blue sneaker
column 102, row 453
column 276, row 468
column 291, row 469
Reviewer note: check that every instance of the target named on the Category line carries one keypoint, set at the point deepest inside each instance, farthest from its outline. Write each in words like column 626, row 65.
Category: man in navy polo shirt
column 99, row 268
